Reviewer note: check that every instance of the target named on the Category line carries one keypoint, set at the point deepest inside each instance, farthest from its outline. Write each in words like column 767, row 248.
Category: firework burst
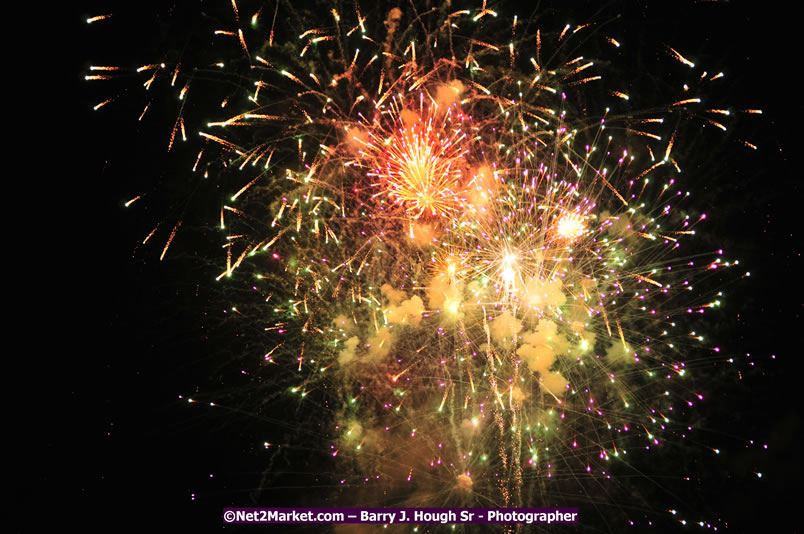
column 468, row 248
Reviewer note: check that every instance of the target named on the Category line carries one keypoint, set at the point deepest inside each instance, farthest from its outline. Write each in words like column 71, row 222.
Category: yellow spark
column 169, row 241
column 97, row 18
column 687, row 101
column 681, row 58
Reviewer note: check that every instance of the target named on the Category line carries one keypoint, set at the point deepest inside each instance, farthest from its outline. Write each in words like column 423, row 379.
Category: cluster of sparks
column 483, row 285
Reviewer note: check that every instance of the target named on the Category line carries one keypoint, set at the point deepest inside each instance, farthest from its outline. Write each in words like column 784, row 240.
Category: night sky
column 134, row 333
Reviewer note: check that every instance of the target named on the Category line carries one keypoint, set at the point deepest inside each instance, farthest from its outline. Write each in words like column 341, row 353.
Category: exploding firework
column 466, row 249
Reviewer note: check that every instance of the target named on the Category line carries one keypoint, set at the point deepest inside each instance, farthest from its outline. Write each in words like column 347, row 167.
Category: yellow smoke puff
column 408, row 312
column 448, row 94
column 393, row 295
column 347, row 354
column 505, row 327
column 379, row 344
column 538, row 357
column 553, row 383
column 542, row 293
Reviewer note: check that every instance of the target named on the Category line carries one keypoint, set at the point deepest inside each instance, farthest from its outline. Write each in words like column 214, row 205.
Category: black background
column 117, row 338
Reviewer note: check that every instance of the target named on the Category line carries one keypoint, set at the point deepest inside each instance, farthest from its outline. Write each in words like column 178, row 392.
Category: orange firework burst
column 416, row 159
